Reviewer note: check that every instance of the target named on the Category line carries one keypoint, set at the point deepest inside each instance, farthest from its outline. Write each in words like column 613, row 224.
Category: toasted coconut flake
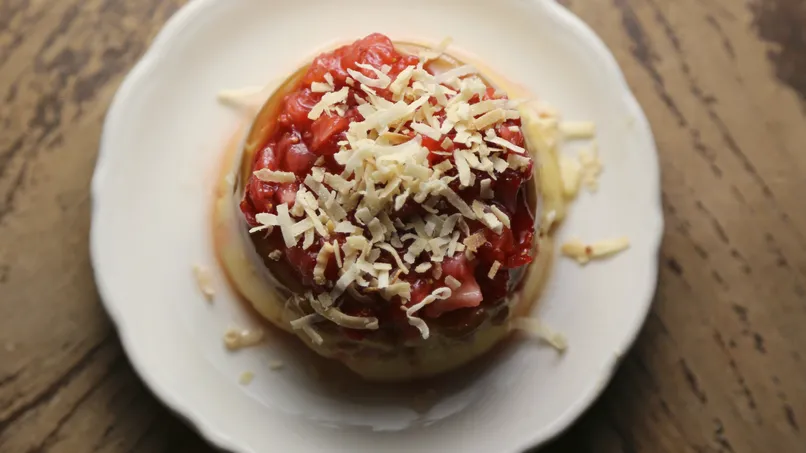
column 493, row 270
column 328, row 101
column 235, row 339
column 319, row 87
column 403, row 268
column 204, row 280
column 571, row 175
column 584, row 253
column 421, row 268
column 334, row 315
column 501, row 215
column 322, row 259
column 578, row 130
column 246, row 378
column 452, row 282
column 305, row 324
column 535, row 327
column 489, row 119
column 437, row 294
column 474, row 241
column 267, row 175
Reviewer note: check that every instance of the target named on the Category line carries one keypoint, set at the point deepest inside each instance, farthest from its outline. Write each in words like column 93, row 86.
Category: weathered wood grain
column 719, row 366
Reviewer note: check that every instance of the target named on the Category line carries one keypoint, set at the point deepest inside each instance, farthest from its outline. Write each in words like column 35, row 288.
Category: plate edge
column 153, row 56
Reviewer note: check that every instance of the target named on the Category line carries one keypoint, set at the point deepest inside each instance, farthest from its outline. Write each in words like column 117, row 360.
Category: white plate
column 152, row 192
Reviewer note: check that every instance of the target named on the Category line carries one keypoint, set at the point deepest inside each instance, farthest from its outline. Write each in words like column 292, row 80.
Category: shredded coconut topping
column 205, row 281
column 246, row 378
column 386, row 167
column 535, row 327
column 242, row 338
column 583, row 253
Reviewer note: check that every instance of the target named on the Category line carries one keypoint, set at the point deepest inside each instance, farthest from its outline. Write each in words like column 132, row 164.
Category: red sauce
column 298, row 142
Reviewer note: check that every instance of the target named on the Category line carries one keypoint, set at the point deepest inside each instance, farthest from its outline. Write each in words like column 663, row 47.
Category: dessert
column 386, row 198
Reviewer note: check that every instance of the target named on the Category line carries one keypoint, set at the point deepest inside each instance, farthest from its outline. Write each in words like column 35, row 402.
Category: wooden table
column 719, row 367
